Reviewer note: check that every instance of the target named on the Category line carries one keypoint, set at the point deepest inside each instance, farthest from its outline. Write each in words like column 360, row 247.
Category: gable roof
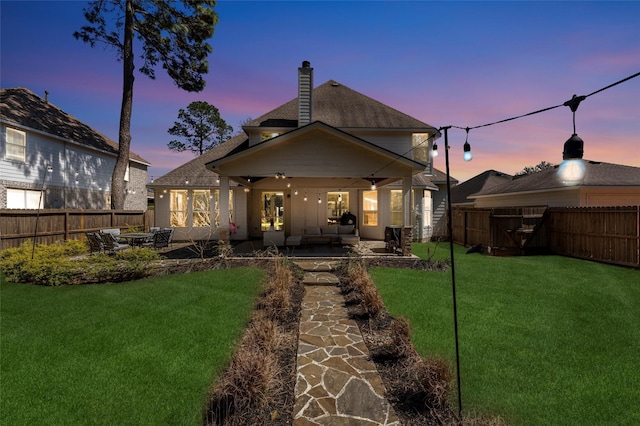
column 314, row 126
column 23, row 107
column 484, row 181
column 597, row 175
column 342, row 107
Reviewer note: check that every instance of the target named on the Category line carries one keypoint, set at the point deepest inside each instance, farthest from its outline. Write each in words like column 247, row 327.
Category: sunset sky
column 453, row 63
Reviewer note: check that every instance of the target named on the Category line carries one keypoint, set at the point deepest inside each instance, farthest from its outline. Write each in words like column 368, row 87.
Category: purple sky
column 446, row 63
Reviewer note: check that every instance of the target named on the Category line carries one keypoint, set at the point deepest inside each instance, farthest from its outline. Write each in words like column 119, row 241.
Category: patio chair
column 115, row 232
column 111, row 242
column 160, row 240
column 170, row 235
column 95, row 242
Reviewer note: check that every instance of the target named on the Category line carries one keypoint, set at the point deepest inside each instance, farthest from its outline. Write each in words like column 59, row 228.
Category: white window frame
column 18, row 140
column 24, row 199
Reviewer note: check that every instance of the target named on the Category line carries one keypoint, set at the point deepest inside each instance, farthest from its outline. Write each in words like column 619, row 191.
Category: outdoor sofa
column 332, row 234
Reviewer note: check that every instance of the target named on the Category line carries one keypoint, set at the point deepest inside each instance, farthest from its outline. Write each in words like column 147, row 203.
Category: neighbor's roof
column 341, row 107
column 484, row 181
column 597, row 174
column 23, row 107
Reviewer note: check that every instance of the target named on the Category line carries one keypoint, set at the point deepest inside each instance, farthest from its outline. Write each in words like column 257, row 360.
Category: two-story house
column 49, row 159
column 306, row 163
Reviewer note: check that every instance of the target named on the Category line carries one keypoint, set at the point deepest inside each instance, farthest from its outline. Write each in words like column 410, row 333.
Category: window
column 201, row 208
column 420, row 145
column 370, row 208
column 337, row 204
column 16, row 145
column 178, row 208
column 396, row 208
column 272, row 211
column 23, row 199
column 268, row 135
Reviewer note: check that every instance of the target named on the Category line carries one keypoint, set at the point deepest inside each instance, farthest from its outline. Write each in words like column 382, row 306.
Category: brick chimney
column 305, row 88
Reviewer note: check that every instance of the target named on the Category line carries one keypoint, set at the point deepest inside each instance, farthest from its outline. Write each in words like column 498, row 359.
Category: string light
column 467, row 148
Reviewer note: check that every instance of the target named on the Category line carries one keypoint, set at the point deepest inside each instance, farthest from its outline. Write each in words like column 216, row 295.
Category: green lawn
column 144, row 352
column 544, row 340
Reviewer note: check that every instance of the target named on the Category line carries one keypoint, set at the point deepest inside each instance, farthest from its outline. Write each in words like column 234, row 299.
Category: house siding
column 80, row 179
column 440, row 218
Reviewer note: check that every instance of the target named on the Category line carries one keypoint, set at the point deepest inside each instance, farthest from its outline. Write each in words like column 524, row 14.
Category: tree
column 543, row 165
column 172, row 34
column 202, row 128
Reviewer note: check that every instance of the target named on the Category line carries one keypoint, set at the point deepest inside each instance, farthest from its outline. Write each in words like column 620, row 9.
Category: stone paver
column 337, row 384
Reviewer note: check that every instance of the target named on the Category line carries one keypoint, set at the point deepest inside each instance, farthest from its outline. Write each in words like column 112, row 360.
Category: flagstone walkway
column 337, row 384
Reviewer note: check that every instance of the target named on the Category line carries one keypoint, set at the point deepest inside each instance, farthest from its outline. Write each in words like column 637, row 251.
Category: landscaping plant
column 64, row 263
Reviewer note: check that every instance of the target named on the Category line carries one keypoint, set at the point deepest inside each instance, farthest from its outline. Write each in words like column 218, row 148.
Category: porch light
column 319, row 199
column 467, row 148
column 288, row 184
column 434, row 150
column 340, row 197
column 572, row 170
column 373, row 185
column 295, row 192
column 186, row 181
column 305, row 196
column 218, row 179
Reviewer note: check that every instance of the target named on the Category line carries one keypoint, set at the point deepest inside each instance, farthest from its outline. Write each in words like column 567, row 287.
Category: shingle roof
column 22, row 106
column 440, row 178
column 597, row 174
column 341, row 107
column 484, row 181
column 195, row 169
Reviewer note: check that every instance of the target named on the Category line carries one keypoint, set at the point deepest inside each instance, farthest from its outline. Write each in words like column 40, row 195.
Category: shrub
column 52, row 264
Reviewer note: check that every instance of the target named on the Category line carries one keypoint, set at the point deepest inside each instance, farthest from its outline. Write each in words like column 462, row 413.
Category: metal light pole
column 35, row 231
column 453, row 268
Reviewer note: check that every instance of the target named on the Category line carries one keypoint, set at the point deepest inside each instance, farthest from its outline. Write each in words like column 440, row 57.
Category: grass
column 143, row 352
column 543, row 340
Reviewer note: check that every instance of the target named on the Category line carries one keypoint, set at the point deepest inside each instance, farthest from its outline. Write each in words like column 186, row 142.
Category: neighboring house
column 604, row 184
column 331, row 150
column 482, row 182
column 37, row 135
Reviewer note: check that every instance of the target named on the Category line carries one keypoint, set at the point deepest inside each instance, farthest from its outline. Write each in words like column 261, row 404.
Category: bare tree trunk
column 124, row 142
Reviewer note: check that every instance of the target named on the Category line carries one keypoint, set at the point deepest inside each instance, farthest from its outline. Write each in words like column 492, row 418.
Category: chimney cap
column 306, row 64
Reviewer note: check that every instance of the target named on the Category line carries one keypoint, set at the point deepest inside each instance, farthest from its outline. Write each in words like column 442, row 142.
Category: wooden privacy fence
column 604, row 234
column 17, row 226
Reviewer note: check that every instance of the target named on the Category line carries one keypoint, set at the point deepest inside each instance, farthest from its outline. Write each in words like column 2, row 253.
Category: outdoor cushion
column 329, row 230
column 346, row 229
column 312, row 230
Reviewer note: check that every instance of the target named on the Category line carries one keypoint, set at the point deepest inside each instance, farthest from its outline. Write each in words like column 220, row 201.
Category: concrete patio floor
column 364, row 248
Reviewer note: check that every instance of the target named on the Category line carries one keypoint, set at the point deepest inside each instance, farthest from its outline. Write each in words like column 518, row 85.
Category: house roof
column 484, row 181
column 195, row 169
column 344, row 108
column 439, row 177
column 23, row 107
column 597, row 175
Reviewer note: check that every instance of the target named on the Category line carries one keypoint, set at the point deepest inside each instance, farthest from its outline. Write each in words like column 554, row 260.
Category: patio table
column 136, row 239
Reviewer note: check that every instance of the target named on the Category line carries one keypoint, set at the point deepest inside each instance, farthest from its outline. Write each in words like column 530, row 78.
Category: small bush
column 52, row 264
